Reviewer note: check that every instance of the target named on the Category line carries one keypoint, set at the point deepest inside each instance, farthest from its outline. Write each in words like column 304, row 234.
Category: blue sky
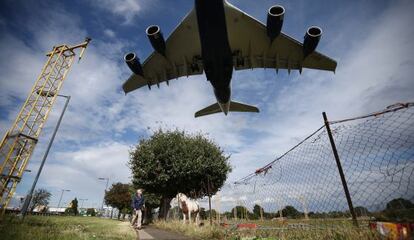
column 371, row 41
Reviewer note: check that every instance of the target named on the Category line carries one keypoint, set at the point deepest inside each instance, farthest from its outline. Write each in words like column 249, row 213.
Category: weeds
column 232, row 233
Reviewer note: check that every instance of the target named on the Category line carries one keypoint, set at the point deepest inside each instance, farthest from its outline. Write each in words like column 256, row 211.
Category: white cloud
column 79, row 170
column 126, row 9
column 109, row 33
column 105, row 159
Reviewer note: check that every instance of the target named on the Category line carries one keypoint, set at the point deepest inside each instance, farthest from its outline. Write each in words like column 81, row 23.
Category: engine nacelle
column 156, row 38
column 133, row 63
column 274, row 24
column 311, row 40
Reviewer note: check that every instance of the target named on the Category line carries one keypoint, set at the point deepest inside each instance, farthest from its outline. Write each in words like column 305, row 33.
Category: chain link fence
column 303, row 187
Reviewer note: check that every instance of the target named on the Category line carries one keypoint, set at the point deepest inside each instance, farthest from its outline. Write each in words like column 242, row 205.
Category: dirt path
column 153, row 233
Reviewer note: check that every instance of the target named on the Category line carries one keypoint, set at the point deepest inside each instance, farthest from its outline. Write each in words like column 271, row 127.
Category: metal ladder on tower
column 18, row 143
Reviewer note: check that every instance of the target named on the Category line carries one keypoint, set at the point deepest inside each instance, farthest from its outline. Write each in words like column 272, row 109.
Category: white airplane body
column 216, row 38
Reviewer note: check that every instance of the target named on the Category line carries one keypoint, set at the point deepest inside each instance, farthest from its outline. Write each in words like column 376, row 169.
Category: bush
column 91, row 212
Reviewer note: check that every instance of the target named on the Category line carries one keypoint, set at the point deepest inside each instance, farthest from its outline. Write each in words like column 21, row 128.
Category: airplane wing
column 182, row 57
column 251, row 46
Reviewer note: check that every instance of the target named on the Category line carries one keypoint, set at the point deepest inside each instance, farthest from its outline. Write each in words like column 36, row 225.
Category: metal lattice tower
column 20, row 140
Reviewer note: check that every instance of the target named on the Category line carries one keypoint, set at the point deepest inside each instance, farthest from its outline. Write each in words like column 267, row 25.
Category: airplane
column 216, row 37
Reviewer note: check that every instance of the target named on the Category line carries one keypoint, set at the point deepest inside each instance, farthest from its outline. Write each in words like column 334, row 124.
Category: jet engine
column 156, row 38
column 133, row 63
column 274, row 24
column 311, row 40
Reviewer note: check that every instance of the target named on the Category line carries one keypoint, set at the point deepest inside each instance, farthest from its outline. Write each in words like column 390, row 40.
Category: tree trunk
column 164, row 207
column 147, row 215
column 119, row 214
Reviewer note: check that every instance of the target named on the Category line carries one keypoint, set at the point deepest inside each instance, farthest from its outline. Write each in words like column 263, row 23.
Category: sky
column 370, row 40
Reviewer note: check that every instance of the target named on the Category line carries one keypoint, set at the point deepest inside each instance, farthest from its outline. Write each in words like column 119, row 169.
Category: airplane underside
column 216, row 38
column 217, row 57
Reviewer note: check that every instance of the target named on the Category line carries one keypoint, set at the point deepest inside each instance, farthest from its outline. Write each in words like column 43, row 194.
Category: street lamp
column 106, row 187
column 61, row 195
column 29, row 196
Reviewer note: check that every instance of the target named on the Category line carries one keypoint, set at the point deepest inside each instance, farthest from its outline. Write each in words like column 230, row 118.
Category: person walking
column 138, row 202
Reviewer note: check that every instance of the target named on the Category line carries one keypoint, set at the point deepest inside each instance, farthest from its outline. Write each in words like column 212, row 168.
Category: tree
column 90, row 212
column 152, row 201
column 290, row 211
column 203, row 213
column 174, row 161
column 258, row 211
column 399, row 209
column 73, row 207
column 240, row 212
column 119, row 196
column 213, row 213
column 399, row 203
column 361, row 211
column 40, row 197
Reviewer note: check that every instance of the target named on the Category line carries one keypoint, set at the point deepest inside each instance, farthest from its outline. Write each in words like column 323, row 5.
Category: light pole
column 106, row 187
column 61, row 195
column 29, row 196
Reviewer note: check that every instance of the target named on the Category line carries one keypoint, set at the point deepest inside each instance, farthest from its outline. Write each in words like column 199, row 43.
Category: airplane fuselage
column 223, row 38
column 215, row 49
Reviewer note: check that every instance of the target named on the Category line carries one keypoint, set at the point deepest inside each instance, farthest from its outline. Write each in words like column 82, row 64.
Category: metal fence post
column 341, row 173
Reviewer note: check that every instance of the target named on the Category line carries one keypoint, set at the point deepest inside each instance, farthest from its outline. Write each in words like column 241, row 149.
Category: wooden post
column 261, row 213
column 209, row 207
column 209, row 201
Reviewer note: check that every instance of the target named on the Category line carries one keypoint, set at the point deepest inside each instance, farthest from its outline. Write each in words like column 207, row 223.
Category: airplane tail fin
column 241, row 107
column 234, row 107
column 213, row 108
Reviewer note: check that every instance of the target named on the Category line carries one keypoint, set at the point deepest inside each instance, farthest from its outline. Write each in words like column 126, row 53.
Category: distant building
column 110, row 212
column 56, row 210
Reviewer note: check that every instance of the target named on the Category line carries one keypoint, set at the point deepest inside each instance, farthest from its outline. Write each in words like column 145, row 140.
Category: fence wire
column 302, row 188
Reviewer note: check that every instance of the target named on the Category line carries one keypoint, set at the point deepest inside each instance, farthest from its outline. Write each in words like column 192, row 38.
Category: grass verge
column 217, row 232
column 64, row 228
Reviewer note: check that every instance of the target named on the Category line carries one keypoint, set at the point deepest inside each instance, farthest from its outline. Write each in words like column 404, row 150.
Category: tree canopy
column 258, row 211
column 174, row 161
column 91, row 212
column 119, row 196
column 240, row 212
column 290, row 211
column 361, row 211
column 40, row 197
column 399, row 203
column 398, row 209
column 73, row 207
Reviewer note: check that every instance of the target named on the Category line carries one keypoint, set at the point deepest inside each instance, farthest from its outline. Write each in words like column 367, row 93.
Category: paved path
column 153, row 233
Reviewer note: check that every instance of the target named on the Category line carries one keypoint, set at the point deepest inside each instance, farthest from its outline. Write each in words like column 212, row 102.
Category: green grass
column 64, row 228
column 346, row 232
column 203, row 232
